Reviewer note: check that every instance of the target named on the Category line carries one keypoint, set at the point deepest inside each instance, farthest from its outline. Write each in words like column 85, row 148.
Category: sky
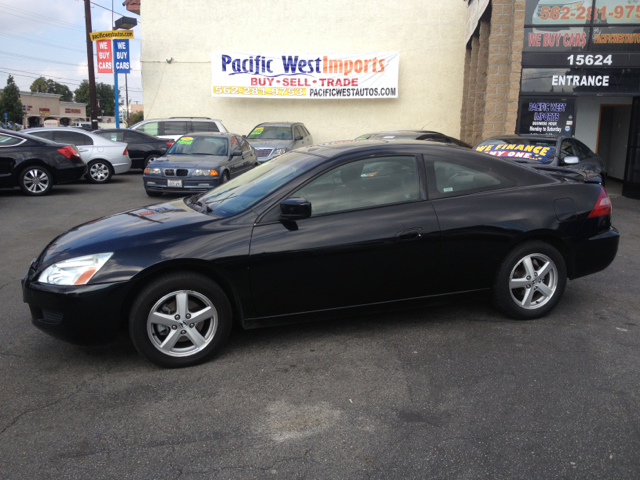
column 47, row 38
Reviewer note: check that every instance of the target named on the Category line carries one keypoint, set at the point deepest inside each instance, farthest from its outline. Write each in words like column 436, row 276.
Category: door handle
column 410, row 234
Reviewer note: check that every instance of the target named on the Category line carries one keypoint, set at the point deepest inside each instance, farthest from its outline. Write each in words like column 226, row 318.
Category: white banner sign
column 305, row 75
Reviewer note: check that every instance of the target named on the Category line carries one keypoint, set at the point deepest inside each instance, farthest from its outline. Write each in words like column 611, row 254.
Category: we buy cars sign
column 305, row 75
column 105, row 57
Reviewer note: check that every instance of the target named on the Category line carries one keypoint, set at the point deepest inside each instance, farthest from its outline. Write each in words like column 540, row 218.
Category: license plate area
column 174, row 183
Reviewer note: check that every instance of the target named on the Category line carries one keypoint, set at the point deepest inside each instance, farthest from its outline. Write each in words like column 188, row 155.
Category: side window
column 452, row 178
column 113, row 136
column 9, row 141
column 305, row 132
column 151, row 128
column 234, row 144
column 132, row 137
column 244, row 145
column 175, row 128
column 43, row 134
column 204, row 127
column 434, row 138
column 73, row 137
column 567, row 150
column 298, row 132
column 364, row 183
column 585, row 152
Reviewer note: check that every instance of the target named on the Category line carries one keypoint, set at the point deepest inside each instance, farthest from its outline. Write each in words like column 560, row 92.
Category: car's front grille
column 182, row 172
column 169, row 172
column 264, row 152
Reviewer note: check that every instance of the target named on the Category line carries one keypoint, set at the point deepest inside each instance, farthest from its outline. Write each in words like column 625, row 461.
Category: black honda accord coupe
column 323, row 230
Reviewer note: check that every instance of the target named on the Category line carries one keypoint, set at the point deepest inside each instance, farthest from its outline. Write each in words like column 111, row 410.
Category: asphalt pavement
column 457, row 391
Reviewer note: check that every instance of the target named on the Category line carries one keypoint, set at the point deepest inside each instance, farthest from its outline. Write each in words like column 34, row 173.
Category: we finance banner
column 305, row 75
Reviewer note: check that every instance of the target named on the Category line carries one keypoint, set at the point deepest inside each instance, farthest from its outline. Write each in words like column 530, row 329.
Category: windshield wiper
column 198, row 206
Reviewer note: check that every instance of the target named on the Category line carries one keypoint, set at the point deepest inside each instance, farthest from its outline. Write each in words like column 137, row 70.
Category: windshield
column 244, row 191
column 199, row 146
column 526, row 150
column 271, row 133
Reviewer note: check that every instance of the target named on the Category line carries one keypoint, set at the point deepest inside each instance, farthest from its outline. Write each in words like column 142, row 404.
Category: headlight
column 153, row 171
column 204, row 173
column 279, row 151
column 75, row 271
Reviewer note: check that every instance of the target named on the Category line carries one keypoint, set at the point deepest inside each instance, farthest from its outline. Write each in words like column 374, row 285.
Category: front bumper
column 82, row 315
column 160, row 184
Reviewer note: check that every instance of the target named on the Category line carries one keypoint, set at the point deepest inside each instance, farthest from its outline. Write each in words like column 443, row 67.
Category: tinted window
column 567, row 149
column 8, row 141
column 461, row 175
column 204, row 127
column 585, row 152
column 113, row 136
column 73, row 137
column 271, row 133
column 43, row 134
column 151, row 128
column 364, row 183
column 134, row 137
column 434, row 138
column 174, row 128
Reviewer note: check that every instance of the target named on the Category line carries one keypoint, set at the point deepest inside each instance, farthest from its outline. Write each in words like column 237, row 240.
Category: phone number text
column 266, row 91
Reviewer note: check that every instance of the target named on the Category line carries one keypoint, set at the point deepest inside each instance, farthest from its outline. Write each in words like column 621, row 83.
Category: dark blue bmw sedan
column 198, row 162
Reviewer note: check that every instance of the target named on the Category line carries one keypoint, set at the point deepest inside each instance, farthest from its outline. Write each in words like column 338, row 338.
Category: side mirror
column 299, row 137
column 293, row 209
column 163, row 151
column 571, row 160
column 237, row 153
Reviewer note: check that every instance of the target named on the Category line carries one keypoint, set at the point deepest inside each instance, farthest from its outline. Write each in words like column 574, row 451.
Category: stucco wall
column 429, row 35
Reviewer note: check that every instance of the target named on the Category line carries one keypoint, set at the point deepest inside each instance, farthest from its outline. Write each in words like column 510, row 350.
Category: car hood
column 270, row 143
column 188, row 161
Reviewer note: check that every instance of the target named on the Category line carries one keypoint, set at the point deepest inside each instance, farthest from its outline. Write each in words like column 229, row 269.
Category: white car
column 175, row 127
column 103, row 157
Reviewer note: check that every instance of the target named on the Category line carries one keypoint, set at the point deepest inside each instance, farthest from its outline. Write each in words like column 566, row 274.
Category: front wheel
column 149, row 159
column 530, row 282
column 180, row 320
column 98, row 171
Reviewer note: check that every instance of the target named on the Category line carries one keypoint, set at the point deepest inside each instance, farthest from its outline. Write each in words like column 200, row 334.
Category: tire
column 544, row 290
column 194, row 343
column 99, row 171
column 151, row 193
column 35, row 181
column 149, row 158
column 225, row 178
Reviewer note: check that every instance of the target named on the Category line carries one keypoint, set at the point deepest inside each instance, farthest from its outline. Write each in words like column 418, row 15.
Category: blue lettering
column 226, row 60
column 288, row 63
column 236, row 65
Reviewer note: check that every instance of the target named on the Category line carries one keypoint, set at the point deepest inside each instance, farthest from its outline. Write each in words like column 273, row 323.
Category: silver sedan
column 103, row 157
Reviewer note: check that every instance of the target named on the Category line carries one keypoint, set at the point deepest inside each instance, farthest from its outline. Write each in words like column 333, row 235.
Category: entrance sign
column 105, row 58
column 561, row 81
column 111, row 34
column 121, row 56
column 547, row 116
column 305, row 75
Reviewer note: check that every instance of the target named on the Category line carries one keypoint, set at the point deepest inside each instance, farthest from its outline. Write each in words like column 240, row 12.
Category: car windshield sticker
column 516, row 151
column 256, row 132
column 186, row 140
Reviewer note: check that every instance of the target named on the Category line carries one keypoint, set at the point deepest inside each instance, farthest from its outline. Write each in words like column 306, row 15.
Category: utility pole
column 126, row 92
column 92, row 78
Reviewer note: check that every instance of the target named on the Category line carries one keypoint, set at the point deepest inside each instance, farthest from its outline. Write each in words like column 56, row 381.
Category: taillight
column 126, row 151
column 170, row 144
column 603, row 205
column 69, row 151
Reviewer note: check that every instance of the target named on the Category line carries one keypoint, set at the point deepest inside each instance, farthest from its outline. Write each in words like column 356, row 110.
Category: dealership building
column 467, row 68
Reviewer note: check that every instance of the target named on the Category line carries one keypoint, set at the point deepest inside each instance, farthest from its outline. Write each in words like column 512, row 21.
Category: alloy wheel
column 36, row 180
column 533, row 281
column 182, row 323
column 99, row 172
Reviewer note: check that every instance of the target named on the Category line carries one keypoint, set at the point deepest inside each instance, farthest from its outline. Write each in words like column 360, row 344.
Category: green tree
column 10, row 102
column 136, row 117
column 104, row 95
column 46, row 85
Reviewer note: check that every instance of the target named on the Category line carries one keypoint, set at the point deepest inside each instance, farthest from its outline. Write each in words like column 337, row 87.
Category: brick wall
column 492, row 73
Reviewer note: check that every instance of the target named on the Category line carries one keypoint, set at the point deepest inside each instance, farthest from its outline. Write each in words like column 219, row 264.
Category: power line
column 30, row 18
column 110, row 10
column 37, row 75
column 48, row 44
column 38, row 59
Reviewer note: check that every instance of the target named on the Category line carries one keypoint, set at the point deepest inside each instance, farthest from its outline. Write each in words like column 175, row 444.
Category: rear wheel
column 180, row 320
column 149, row 158
column 99, row 171
column 530, row 282
column 35, row 181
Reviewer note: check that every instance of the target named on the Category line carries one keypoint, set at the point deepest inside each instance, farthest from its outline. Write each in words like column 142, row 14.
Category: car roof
column 75, row 130
column 211, row 134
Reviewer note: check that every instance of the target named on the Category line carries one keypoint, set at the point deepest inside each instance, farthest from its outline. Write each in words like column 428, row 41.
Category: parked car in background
column 35, row 164
column 143, row 148
column 174, row 127
column 103, row 157
column 318, row 232
column 199, row 162
column 413, row 135
column 271, row 139
column 545, row 152
column 83, row 125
